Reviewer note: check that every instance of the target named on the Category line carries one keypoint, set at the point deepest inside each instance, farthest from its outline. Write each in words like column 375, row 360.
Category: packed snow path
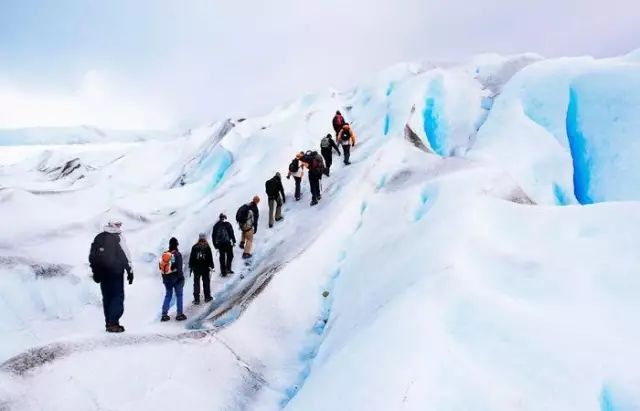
column 437, row 272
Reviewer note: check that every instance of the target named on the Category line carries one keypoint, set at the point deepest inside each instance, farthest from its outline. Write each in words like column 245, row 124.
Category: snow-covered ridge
column 438, row 272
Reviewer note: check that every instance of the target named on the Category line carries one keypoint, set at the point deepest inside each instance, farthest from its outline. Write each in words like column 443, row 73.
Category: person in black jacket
column 275, row 194
column 173, row 280
column 224, row 240
column 327, row 145
column 201, row 264
column 109, row 258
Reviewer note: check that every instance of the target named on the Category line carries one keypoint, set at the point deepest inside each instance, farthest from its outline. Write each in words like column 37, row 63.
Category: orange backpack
column 165, row 262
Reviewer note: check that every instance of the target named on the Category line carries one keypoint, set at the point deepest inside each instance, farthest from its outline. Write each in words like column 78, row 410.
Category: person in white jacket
column 296, row 169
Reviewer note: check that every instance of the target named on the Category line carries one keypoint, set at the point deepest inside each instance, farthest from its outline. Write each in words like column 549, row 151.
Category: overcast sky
column 170, row 63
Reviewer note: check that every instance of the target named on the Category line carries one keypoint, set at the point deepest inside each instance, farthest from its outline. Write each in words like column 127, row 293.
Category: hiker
column 296, row 170
column 338, row 122
column 224, row 240
column 201, row 265
column 347, row 138
column 247, row 218
column 173, row 280
column 275, row 198
column 326, row 146
column 109, row 258
column 315, row 164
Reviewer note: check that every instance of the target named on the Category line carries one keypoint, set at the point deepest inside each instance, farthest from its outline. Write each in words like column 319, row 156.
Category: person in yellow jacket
column 347, row 139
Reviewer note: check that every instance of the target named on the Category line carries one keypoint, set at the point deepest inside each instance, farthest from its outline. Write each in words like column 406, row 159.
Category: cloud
column 200, row 60
column 96, row 101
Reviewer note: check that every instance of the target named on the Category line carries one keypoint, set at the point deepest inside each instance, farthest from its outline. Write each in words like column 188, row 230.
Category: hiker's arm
column 335, row 146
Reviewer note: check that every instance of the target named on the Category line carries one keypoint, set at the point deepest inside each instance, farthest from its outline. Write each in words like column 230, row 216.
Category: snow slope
column 436, row 272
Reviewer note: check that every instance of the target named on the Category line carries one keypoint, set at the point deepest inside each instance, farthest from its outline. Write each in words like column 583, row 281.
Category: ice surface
column 435, row 273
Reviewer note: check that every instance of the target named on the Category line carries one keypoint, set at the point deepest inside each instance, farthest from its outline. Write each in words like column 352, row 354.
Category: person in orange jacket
column 347, row 139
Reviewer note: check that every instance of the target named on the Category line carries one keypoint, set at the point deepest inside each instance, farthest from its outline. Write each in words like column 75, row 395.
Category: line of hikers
column 109, row 256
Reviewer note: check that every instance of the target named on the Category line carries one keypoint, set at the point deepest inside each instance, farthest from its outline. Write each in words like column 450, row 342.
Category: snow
column 437, row 271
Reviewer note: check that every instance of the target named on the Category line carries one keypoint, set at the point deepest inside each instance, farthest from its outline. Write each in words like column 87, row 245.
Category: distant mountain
column 75, row 135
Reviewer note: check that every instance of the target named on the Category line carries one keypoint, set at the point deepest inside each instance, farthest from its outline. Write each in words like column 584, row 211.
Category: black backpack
column 222, row 235
column 325, row 143
column 242, row 214
column 104, row 254
column 294, row 166
column 346, row 134
column 271, row 187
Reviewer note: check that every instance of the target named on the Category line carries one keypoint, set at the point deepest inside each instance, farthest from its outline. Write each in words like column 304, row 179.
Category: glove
column 289, row 176
column 97, row 278
column 353, row 144
column 130, row 277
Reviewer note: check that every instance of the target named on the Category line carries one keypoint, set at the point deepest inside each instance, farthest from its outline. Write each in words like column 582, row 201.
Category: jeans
column 275, row 204
column 171, row 284
column 346, row 150
column 206, row 284
column 247, row 239
column 226, row 257
column 314, row 182
column 112, row 287
column 298, row 182
column 328, row 159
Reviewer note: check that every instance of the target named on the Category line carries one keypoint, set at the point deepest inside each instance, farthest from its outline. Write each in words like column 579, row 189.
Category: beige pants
column 277, row 204
column 247, row 239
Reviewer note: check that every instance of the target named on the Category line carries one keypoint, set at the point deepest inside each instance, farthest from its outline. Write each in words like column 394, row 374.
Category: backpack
column 346, row 134
column 325, row 143
column 242, row 214
column 222, row 235
column 271, row 187
column 316, row 163
column 104, row 252
column 338, row 121
column 294, row 166
column 166, row 260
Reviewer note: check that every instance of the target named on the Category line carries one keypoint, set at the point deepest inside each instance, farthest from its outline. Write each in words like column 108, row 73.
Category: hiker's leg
column 272, row 204
column 248, row 245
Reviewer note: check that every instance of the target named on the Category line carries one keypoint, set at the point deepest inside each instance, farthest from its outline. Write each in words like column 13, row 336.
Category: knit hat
column 222, row 216
column 202, row 236
column 173, row 243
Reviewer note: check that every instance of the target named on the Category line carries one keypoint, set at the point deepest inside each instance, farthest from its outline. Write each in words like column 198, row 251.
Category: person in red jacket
column 338, row 122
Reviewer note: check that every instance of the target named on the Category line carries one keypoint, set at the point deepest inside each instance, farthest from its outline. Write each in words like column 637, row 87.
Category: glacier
column 479, row 253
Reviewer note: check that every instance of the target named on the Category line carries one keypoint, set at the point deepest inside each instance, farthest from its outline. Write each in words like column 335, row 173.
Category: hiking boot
column 164, row 318
column 241, row 245
column 279, row 218
column 208, row 299
column 114, row 328
column 347, row 163
column 270, row 225
column 181, row 317
column 230, row 271
column 314, row 202
column 196, row 302
column 246, row 255
column 297, row 198
column 121, row 328
column 319, row 197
